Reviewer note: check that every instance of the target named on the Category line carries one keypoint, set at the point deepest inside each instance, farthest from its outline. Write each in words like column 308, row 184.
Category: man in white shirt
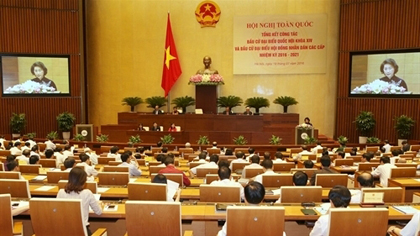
column 15, row 150
column 252, row 153
column 278, row 158
column 387, row 146
column 384, row 171
column 2, row 141
column 24, row 158
column 214, row 145
column 93, row 157
column 339, row 197
column 304, row 151
column 26, row 147
column 365, row 180
column 113, row 152
column 212, row 164
column 67, row 151
column 90, row 170
column 409, row 229
column 255, row 164
column 126, row 158
column 267, row 165
column 69, row 163
column 225, row 179
column 239, row 159
column 31, row 142
column 35, row 151
column 318, row 146
column 49, row 144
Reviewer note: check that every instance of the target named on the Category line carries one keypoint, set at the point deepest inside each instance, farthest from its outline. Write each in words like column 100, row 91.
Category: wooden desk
column 344, row 170
column 409, row 186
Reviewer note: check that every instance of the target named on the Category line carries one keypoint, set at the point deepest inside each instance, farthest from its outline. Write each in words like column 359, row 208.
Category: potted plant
column 240, row 140
column 31, row 136
column 52, row 135
column 65, row 123
column 285, row 101
column 203, row 140
column 156, row 101
column 135, row 139
column 167, row 139
column 17, row 124
column 310, row 140
column 257, row 103
column 102, row 138
column 79, row 137
column 403, row 126
column 365, row 123
column 183, row 102
column 373, row 140
column 342, row 140
column 132, row 102
column 229, row 101
column 275, row 140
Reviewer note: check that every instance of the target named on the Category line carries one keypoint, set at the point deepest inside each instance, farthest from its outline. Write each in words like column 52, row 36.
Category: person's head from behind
column 254, row 193
column 318, row 143
column 214, row 158
column 308, row 164
column 228, row 152
column 406, row 148
column 340, row 155
column 159, row 144
column 365, row 180
column 67, row 148
column 239, row 155
column 385, row 160
column 300, row 178
column 26, row 153
column 267, row 155
column 267, row 164
column 34, row 159
column 164, row 150
column 202, row 156
column 12, row 165
column 214, row 144
column 386, row 141
column 125, row 157
column 140, row 150
column 70, row 162
column 48, row 153
column 251, row 150
column 114, row 150
column 160, row 179
column 161, row 158
column 224, row 163
column 224, row 172
column 39, row 70
column 366, row 157
column 389, row 67
column 58, row 149
column 278, row 155
column 255, row 159
column 17, row 144
column 169, row 161
column 325, row 161
column 395, row 152
column 339, row 196
column 77, row 180
column 84, row 158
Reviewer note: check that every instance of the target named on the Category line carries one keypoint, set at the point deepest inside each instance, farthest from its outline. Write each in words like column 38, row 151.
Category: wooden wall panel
column 367, row 25
column 42, row 27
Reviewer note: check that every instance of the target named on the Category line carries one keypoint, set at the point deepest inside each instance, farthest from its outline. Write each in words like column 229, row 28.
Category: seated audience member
column 175, row 111
column 278, row 158
column 212, row 164
column 49, row 154
column 395, row 156
column 113, row 152
column 161, row 158
column 227, row 111
column 383, row 171
column 239, row 159
column 74, row 189
column 12, row 165
column 223, row 163
column 155, row 127
column 9, row 158
column 69, row 163
column 225, row 179
column 325, row 163
column 26, row 146
column 172, row 128
column 164, row 150
column 214, row 145
column 300, row 178
column 366, row 157
column 170, row 169
column 1, row 147
column 341, row 155
column 33, row 160
column 141, row 150
column 339, row 197
column 248, row 111
column 50, row 144
column 159, row 144
column 59, row 157
column 229, row 152
column 406, row 147
column 161, row 179
column 308, row 164
column 255, row 164
column 157, row 111
column 409, row 229
column 267, row 156
column 86, row 163
column 387, row 146
column 126, row 159
column 267, row 165
column 15, row 150
column 140, row 128
column 252, row 153
column 24, row 158
column 365, row 180
column 304, row 151
column 254, row 195
column 92, row 156
column 67, row 151
column 187, row 145
column 318, row 146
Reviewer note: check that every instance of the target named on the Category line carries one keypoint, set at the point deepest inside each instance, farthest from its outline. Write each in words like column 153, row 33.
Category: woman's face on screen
column 39, row 73
column 389, row 70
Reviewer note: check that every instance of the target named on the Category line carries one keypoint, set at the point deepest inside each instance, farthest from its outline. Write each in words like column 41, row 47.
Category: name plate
column 373, row 197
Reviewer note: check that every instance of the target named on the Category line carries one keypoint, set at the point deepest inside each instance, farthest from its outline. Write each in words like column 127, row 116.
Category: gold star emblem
column 208, row 7
column 168, row 57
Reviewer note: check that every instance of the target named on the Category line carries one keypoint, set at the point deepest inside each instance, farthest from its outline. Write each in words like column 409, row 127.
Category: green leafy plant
column 342, row 140
column 156, row 101
column 285, row 101
column 257, row 103
column 229, row 101
column 403, row 126
column 373, row 140
column 17, row 122
column 31, row 135
column 102, row 138
column 183, row 102
column 135, row 139
column 52, row 135
column 167, row 139
column 365, row 122
column 132, row 102
column 275, row 140
column 310, row 140
column 240, row 140
column 79, row 137
column 65, row 121
column 203, row 140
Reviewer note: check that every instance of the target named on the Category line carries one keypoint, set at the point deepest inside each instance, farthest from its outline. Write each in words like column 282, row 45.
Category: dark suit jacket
column 158, row 112
column 248, row 113
column 225, row 113
column 156, row 129
column 324, row 170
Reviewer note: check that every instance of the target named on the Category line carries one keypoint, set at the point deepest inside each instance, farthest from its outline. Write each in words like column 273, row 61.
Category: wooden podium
column 301, row 134
column 206, row 98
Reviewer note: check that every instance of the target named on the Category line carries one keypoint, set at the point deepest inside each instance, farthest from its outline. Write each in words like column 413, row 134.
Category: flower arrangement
column 304, row 127
column 31, row 87
column 206, row 79
column 378, row 87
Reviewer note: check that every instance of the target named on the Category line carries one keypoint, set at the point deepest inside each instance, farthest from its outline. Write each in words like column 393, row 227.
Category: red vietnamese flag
column 171, row 67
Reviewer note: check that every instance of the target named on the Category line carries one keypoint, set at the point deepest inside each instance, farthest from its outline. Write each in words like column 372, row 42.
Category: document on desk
column 45, row 188
column 409, row 210
column 172, row 187
column 40, row 178
column 17, row 204
column 418, row 180
column 132, row 180
column 102, row 190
